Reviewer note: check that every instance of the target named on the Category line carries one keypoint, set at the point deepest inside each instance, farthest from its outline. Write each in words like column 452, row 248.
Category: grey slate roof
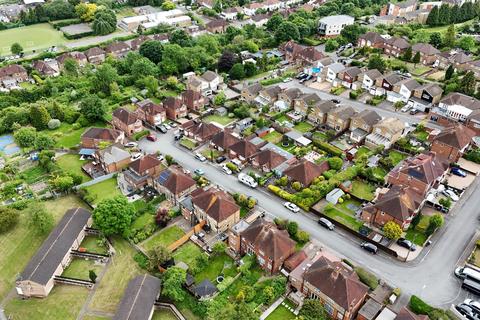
column 139, row 298
column 42, row 266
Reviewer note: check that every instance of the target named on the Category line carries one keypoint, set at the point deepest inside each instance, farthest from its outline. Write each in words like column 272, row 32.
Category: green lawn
column 34, row 37
column 421, row 135
column 188, row 143
column 187, row 253
column 95, row 318
column 319, row 136
column 416, row 237
column 282, row 313
column 208, row 153
column 163, row 314
column 303, row 127
column 63, row 303
column 273, row 137
column 396, row 156
column 33, row 174
column 165, row 237
column 142, row 221
column 223, row 120
column 79, row 268
column 104, row 190
column 379, row 172
column 282, row 119
column 68, row 137
column 20, row 244
column 217, row 265
column 363, row 190
column 94, row 244
column 343, row 217
column 361, row 151
column 72, row 163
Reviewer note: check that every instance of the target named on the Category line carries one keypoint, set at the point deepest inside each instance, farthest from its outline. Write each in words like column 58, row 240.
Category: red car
column 152, row 137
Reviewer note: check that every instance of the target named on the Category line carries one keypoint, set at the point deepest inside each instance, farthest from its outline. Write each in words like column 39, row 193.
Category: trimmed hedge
column 367, row 278
column 418, row 306
column 60, row 24
column 281, row 193
column 77, row 35
column 325, row 146
column 139, row 135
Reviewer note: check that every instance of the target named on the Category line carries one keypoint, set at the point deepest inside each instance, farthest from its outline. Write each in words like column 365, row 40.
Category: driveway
column 429, row 276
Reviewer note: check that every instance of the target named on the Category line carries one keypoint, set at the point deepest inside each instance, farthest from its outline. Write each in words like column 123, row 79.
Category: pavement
column 429, row 276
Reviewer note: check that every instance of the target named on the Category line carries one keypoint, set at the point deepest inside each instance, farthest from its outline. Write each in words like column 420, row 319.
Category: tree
column 181, row 37
column 335, row 163
column 40, row 218
column 446, row 202
column 8, row 219
column 313, row 309
column 407, row 56
column 70, row 67
column 158, row 256
column 16, row 48
column 172, row 285
column 449, row 72
column 287, row 31
column 45, row 160
column 93, row 108
column 86, row 11
column 44, row 141
column 152, row 50
column 114, row 215
column 25, row 136
column 237, row 72
column 169, row 159
column 331, row 45
column 92, row 275
column 274, row 22
column 105, row 76
column 250, row 69
column 433, row 16
column 226, row 61
column 416, row 58
column 219, row 248
column 449, row 40
column 302, row 236
column 467, row 43
column 62, row 183
column 39, row 117
column 392, row 230
column 352, row 32
column 219, row 99
column 292, row 228
column 268, row 294
column 105, row 22
column 436, row 39
column 168, row 5
column 376, row 62
column 468, row 83
column 436, row 221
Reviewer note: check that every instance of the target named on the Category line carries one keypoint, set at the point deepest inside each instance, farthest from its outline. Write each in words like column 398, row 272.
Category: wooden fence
column 187, row 236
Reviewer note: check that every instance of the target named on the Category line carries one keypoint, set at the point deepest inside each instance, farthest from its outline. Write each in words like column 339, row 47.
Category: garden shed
column 334, row 195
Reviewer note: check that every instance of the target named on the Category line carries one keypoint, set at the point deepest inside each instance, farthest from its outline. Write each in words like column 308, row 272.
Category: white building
column 174, row 17
column 332, row 26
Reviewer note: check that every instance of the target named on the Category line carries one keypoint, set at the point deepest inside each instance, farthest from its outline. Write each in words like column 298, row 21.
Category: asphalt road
column 429, row 276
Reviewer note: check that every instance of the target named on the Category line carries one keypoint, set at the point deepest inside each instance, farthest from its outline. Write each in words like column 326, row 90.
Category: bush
column 297, row 186
column 281, row 193
column 334, row 151
column 232, row 167
column 139, row 135
column 53, row 124
column 141, row 260
column 367, row 278
column 418, row 306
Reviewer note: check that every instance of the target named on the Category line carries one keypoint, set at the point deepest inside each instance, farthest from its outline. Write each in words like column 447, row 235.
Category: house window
column 328, row 308
column 261, row 261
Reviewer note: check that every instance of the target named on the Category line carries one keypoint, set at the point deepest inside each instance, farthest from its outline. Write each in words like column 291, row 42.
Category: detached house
column 251, row 92
column 368, row 80
column 46, row 68
column 126, row 121
column 286, row 98
column 428, row 53
column 217, row 26
column 112, row 159
column 400, row 204
column 200, row 131
column 95, row 55
column 12, row 74
column 454, row 107
column 386, row 83
column 223, row 140
column 371, row 40
column 349, row 76
column 332, row 71
column 141, row 172
column 309, row 56
column 395, row 46
column 267, row 160
column 193, row 100
column 319, row 112
column 174, row 184
column 175, row 109
column 402, row 90
column 399, row 9
column 151, row 113
column 94, row 137
column 361, row 124
column 78, row 56
column 339, row 118
column 426, row 96
column 207, row 83
column 306, row 101
column 118, row 49
column 452, row 142
column 386, row 132
column 306, row 171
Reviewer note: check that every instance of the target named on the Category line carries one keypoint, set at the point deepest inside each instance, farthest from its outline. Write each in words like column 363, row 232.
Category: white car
column 200, row 157
column 136, row 156
column 131, row 145
column 226, row 169
column 287, row 80
column 291, row 206
column 247, row 180
column 167, row 126
column 451, row 194
column 406, row 108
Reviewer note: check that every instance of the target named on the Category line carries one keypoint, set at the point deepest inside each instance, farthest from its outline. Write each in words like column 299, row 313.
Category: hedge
column 367, row 278
column 418, row 306
column 328, row 148
column 64, row 23
column 78, row 35
column 281, row 193
column 139, row 135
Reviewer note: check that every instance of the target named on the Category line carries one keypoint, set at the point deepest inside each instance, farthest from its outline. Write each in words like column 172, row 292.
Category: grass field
column 282, row 313
column 33, row 174
column 223, row 120
column 273, row 137
column 95, row 318
column 187, row 253
column 34, row 37
column 72, row 163
column 165, row 237
column 91, row 243
column 20, row 244
column 216, row 265
column 303, row 127
column 79, row 268
column 68, row 137
column 344, row 217
column 363, row 190
column 104, row 190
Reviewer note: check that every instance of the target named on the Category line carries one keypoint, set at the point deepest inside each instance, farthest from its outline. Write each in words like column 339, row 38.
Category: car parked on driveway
column 131, row 145
column 466, row 311
column 369, row 247
column 220, row 159
column 291, row 206
column 161, row 128
column 402, row 242
column 458, row 172
column 452, row 195
column 326, row 223
column 152, row 137
column 226, row 169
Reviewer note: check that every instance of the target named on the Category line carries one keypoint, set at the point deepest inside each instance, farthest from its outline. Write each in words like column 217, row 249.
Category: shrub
column 367, row 278
column 335, row 163
column 53, row 124
column 392, row 230
column 141, row 260
column 418, row 306
column 334, row 151
column 232, row 167
column 225, row 283
column 340, row 200
column 348, row 263
column 297, row 186
column 139, row 135
column 281, row 193
column 446, row 202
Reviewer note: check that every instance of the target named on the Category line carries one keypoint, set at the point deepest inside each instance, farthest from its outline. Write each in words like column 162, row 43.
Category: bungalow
column 399, row 204
column 286, row 99
column 349, row 76
column 113, row 158
column 267, row 160
column 79, row 57
column 139, row 299
column 223, row 140
column 270, row 245
column 217, row 208
column 95, row 55
column 175, row 109
column 93, row 138
column 426, row 96
column 452, row 142
column 200, row 131
column 319, row 111
column 174, row 184
column 303, row 103
column 368, row 80
column 428, row 53
column 420, row 173
column 386, row 83
column 362, row 124
column 306, row 171
column 243, row 150
column 118, row 49
column 47, row 68
column 454, row 107
column 251, row 92
column 386, row 132
column 217, row 26
column 14, row 72
column 126, row 121
column 52, row 258
column 395, row 46
column 150, row 113
column 141, row 172
column 193, row 100
column 339, row 118
column 268, row 95
column 459, row 60
column 402, row 90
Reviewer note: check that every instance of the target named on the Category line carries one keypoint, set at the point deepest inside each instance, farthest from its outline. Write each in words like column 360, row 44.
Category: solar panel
column 163, row 177
column 416, row 174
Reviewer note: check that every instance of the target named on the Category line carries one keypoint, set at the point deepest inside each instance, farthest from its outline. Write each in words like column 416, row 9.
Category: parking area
column 460, row 183
column 469, row 166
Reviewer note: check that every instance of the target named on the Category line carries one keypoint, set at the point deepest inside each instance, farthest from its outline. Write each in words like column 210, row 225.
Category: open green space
column 79, row 268
column 223, row 120
column 282, row 313
column 361, row 151
column 303, row 127
column 187, row 253
column 283, row 118
column 188, row 143
column 221, row 264
column 319, row 136
column 34, row 37
column 20, row 244
column 143, row 220
column 363, row 190
column 66, row 136
column 164, row 237
column 421, row 134
column 94, row 244
column 163, row 314
column 273, row 137
column 104, row 190
column 419, row 69
column 209, row 153
column 63, row 303
column 396, row 156
column 71, row 163
column 344, row 217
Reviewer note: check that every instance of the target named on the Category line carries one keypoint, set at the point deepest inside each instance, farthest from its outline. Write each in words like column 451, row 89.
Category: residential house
column 454, row 107
column 268, row 95
column 230, row 14
column 331, row 26
column 368, row 80
column 402, row 90
column 175, row 185
column 47, row 68
column 286, row 98
column 458, row 59
column 175, row 109
column 223, row 140
column 426, row 96
column 243, row 150
column 270, row 245
column 406, row 314
column 372, row 40
column 349, row 76
column 420, row 173
column 118, row 49
column 339, row 118
column 162, row 37
column 386, row 83
column 243, row 124
column 193, row 100
column 318, row 68
column 126, row 121
column 291, row 50
column 395, row 46
column 306, row 101
column 361, row 124
column 95, row 55
column 399, row 204
column 54, row 256
column 213, row 80
column 112, row 158
column 217, row 208
column 332, row 71
column 306, row 171
column 309, row 56
column 386, row 132
column 251, row 92
column 217, row 25
column 139, row 298
column 319, row 111
column 267, row 160
column 200, row 131
column 428, row 53
column 78, row 56
column 141, row 173
column 12, row 74
column 207, row 83
column 259, row 20
column 138, row 41
column 452, row 142
column 399, row 9
column 150, row 112
column 93, row 138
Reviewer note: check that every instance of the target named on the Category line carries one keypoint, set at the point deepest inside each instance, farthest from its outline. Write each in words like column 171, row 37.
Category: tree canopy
column 114, row 215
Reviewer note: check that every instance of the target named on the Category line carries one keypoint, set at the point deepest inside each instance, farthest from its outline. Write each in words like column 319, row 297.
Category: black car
column 161, row 128
column 369, row 247
column 336, row 101
column 220, row 159
column 407, row 244
column 466, row 310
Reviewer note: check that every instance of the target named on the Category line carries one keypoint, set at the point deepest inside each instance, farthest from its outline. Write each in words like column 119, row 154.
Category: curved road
column 429, row 276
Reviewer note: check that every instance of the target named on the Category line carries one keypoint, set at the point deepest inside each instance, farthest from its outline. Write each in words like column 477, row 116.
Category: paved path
column 272, row 308
column 430, row 276
column 94, row 40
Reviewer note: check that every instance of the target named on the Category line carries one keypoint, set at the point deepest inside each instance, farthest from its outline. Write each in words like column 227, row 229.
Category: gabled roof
column 217, row 204
column 324, row 106
column 172, row 103
column 266, row 237
column 269, row 158
column 393, row 78
column 373, row 37
column 150, row 108
column 392, row 125
column 45, row 262
column 117, row 47
column 456, row 136
column 305, row 171
column 373, row 74
column 209, row 76
column 11, row 70
column 352, row 71
column 410, row 84
column 224, row 139
column 273, row 91
column 336, row 282
column 310, row 98
column 244, row 148
column 406, row 314
column 95, row 51
column 217, row 23
column 254, row 88
column 75, row 55
column 293, row 93
column 455, row 98
column 423, row 167
column 311, row 53
column 102, row 134
column 398, row 42
column 432, row 89
column 42, row 67
column 370, row 117
column 425, row 48
column 203, row 130
column 139, row 298
column 145, row 163
column 175, row 180
column 125, row 116
column 343, row 112
column 205, row 288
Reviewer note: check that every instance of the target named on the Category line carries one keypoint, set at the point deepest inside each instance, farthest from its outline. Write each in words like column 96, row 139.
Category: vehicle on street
column 247, row 180
column 199, row 172
column 131, row 145
column 471, row 285
column 336, row 101
column 291, row 206
column 287, row 80
column 161, row 128
column 136, row 156
column 226, row 170
column 160, row 157
column 414, row 112
column 451, row 195
column 173, row 125
column 466, row 311
column 220, row 159
column 178, row 136
column 326, row 223
column 167, row 126
column 467, row 272
column 402, row 242
column 475, row 305
column 458, row 172
column 152, row 137
column 369, row 247
column 300, row 75
column 405, row 108
column 200, row 157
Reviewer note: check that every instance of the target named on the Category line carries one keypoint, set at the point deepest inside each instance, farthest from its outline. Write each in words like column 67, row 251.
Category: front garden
column 188, row 143
column 282, row 312
column 222, row 120
column 344, row 213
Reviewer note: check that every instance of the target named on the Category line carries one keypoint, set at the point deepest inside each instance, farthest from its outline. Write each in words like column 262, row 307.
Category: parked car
column 291, row 206
column 287, row 80
column 152, row 137
column 452, row 195
column 178, row 136
column 326, row 223
column 247, row 180
column 466, row 311
column 407, row 244
column 160, row 157
column 405, row 108
column 167, row 126
column 161, row 128
column 131, row 145
column 199, row 172
column 475, row 305
column 369, row 247
column 200, row 157
column 226, row 170
column 336, row 101
column 458, row 172
column 136, row 156
column 220, row 159
column 173, row 125
column 300, row 75
column 414, row 112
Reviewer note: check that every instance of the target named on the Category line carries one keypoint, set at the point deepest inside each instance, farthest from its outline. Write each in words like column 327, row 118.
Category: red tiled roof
column 269, row 158
column 102, row 134
column 177, row 181
column 305, row 171
column 217, row 204
column 406, row 314
column 11, row 70
column 244, row 148
column 144, row 163
column 125, row 116
column 203, row 130
column 457, row 136
column 224, row 139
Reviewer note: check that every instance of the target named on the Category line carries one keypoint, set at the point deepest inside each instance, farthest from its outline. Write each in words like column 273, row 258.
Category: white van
column 467, row 272
column 246, row 179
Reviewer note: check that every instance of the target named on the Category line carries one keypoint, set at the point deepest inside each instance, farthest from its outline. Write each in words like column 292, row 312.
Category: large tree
column 8, row 219
column 114, row 215
column 436, row 39
column 449, row 73
column 376, row 62
column 25, row 137
column 237, row 72
column 449, row 39
column 105, row 22
column 105, row 76
column 468, row 83
column 287, row 31
column 40, row 218
column 352, row 32
column 92, row 108
column 172, row 285
column 313, row 310
column 39, row 117
column 16, row 48
column 158, row 256
column 152, row 50
column 226, row 61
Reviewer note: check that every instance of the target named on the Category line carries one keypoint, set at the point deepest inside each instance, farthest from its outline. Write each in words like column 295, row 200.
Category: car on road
column 326, row 223
column 131, row 145
column 466, row 311
column 200, row 157
column 287, row 80
column 414, row 111
column 452, row 195
column 167, row 126
column 161, row 128
column 152, row 137
column 199, row 172
column 226, row 169
column 178, row 136
column 291, row 206
column 173, row 125
column 136, row 156
column 220, row 159
column 369, row 247
column 300, row 75
column 402, row 242
column 458, row 172
column 336, row 101
column 406, row 108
